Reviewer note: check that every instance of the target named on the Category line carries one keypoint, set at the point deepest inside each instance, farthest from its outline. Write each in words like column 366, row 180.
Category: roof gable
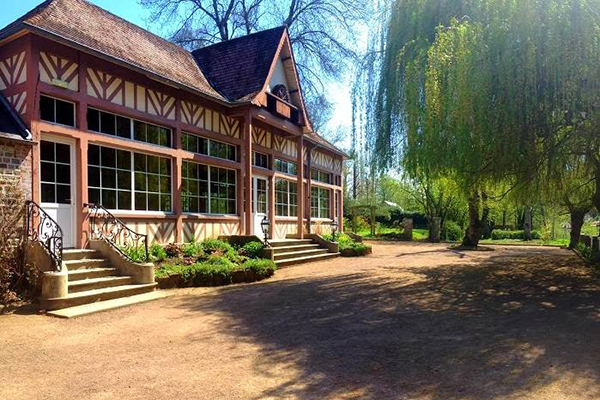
column 92, row 27
column 238, row 68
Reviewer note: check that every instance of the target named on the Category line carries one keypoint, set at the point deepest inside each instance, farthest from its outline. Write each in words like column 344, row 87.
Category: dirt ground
column 412, row 321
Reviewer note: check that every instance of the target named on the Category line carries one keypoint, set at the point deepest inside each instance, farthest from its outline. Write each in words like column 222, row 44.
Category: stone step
column 299, row 254
column 289, row 242
column 80, row 254
column 74, row 265
column 92, row 296
column 98, row 283
column 91, row 273
column 307, row 259
column 106, row 305
column 289, row 249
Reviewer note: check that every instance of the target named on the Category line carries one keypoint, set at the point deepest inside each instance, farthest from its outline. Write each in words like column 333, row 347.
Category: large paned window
column 286, row 198
column 319, row 202
column 320, row 176
column 208, row 189
column 55, row 172
column 260, row 160
column 152, row 183
column 287, row 167
column 109, row 177
column 117, row 125
column 57, row 111
column 209, row 147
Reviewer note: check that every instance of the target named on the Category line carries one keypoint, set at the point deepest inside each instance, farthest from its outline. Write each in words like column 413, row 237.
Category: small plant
column 452, row 231
column 173, row 250
column 214, row 245
column 193, row 250
column 260, row 266
column 157, row 253
column 135, row 253
column 252, row 249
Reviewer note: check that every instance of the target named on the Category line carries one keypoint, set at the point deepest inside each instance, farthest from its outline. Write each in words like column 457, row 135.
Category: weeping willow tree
column 482, row 91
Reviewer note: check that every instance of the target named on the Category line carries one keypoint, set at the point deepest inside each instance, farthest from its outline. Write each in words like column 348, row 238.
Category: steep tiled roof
column 95, row 28
column 11, row 125
column 324, row 143
column 238, row 68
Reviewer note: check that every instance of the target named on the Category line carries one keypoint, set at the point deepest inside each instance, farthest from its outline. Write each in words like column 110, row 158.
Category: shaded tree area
column 500, row 97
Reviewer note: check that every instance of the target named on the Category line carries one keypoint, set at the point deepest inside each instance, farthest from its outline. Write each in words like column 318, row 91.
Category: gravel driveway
column 412, row 321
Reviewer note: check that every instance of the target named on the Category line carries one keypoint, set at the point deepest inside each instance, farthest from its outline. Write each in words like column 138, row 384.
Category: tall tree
column 323, row 32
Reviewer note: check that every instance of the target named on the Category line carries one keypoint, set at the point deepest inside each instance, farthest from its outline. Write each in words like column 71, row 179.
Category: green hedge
column 513, row 235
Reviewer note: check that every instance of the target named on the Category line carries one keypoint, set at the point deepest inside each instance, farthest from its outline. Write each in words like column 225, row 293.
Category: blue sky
column 130, row 10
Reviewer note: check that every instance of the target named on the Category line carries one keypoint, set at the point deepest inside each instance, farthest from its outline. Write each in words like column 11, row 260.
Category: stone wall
column 16, row 163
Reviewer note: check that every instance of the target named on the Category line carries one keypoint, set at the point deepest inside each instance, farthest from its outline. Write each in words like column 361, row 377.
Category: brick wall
column 16, row 163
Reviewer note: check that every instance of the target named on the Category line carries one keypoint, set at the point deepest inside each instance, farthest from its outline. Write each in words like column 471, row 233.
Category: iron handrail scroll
column 42, row 228
column 104, row 225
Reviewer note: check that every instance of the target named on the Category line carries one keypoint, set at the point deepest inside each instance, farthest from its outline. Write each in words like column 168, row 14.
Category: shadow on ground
column 508, row 326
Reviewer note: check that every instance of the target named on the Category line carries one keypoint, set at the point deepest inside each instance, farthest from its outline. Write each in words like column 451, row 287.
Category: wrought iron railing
column 104, row 225
column 42, row 228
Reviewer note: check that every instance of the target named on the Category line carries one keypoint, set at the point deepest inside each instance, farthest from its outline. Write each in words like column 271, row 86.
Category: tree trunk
column 476, row 224
column 577, row 220
column 527, row 224
column 503, row 220
column 597, row 192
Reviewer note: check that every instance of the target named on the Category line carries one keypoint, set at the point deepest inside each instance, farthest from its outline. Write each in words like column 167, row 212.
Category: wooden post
column 301, row 196
column 177, row 166
column 247, row 165
column 308, row 196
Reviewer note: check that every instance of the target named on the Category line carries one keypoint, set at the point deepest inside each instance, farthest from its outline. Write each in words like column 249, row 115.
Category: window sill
column 211, row 216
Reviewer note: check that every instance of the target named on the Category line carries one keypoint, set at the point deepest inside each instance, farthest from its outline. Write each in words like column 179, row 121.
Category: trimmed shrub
column 452, row 231
column 513, row 235
column 252, row 249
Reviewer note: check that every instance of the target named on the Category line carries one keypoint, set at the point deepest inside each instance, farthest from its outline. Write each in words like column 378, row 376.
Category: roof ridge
column 240, row 37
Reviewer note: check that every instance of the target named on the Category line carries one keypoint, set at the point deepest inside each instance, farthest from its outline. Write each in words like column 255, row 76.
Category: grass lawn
column 418, row 234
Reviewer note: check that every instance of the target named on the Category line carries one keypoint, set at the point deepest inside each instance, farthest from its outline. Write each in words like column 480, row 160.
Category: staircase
column 93, row 286
column 298, row 251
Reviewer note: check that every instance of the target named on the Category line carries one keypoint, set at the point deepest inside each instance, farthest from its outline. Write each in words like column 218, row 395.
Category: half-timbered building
column 179, row 145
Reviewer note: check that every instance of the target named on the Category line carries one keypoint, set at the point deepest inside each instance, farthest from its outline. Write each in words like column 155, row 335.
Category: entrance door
column 57, row 186
column 260, row 205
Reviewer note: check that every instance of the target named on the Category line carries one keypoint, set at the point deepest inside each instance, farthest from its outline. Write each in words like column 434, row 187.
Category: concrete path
column 412, row 321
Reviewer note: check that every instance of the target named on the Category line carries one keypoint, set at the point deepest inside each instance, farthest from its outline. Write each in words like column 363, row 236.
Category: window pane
column 153, row 164
column 165, row 166
column 140, row 201
column 139, row 131
column 47, row 109
column 153, row 183
column 124, row 180
column 124, row 160
column 48, row 193
column 63, row 173
column 140, row 181
column 153, row 134
column 47, row 151
column 139, row 162
column 108, row 157
column 153, row 202
column 109, row 199
column 94, row 176
column 124, row 127
column 109, row 178
column 48, row 172
column 94, row 155
column 203, row 205
column 93, row 120
column 203, row 172
column 94, row 196
column 107, row 123
column 202, row 146
column 63, row 194
column 124, row 200
column 165, row 203
column 63, row 153
column 65, row 113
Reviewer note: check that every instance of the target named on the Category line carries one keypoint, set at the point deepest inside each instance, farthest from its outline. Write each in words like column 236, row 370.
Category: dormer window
column 281, row 92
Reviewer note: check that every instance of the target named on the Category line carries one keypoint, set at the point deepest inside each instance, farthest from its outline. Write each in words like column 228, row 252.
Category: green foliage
column 260, row 266
column 135, row 253
column 192, row 249
column 452, row 231
column 585, row 252
column 216, row 245
column 252, row 249
column 348, row 246
column 157, row 253
column 173, row 250
column 513, row 235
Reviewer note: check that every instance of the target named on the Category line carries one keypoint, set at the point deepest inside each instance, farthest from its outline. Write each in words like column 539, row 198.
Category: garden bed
column 349, row 247
column 209, row 263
